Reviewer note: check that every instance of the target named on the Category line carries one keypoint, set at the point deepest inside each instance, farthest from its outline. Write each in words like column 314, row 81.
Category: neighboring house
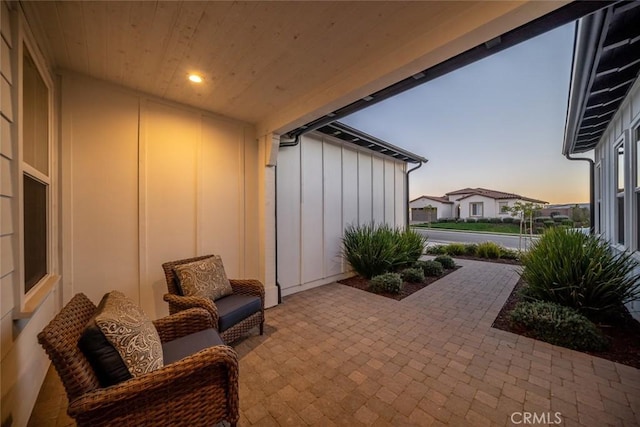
column 484, row 203
column 566, row 209
column 603, row 118
column 113, row 162
column 430, row 208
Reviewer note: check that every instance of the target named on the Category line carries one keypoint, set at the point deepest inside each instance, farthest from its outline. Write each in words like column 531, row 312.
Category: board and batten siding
column 23, row 363
column 323, row 185
column 146, row 182
column 620, row 131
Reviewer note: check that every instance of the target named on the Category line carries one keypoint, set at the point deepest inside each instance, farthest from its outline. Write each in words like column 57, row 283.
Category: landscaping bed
column 409, row 288
column 623, row 336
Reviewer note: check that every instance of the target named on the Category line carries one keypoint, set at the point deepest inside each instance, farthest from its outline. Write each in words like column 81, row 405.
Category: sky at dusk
column 497, row 123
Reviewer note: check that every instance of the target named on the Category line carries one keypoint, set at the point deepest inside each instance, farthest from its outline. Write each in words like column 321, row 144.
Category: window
column 35, row 173
column 503, row 207
column 598, row 190
column 619, row 205
column 475, row 209
column 35, row 231
column 637, row 187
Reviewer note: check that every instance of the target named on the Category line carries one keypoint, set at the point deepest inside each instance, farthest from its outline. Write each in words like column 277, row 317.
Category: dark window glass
column 35, row 231
column 620, row 209
column 620, row 168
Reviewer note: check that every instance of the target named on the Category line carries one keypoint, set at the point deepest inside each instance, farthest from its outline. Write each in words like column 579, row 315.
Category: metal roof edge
column 342, row 128
column 588, row 33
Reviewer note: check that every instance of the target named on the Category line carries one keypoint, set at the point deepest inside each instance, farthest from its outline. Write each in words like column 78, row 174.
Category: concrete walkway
column 336, row 355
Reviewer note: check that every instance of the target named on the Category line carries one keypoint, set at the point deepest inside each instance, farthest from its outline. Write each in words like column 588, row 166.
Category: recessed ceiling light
column 195, row 78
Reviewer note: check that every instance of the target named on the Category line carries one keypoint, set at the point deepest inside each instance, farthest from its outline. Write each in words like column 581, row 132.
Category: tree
column 525, row 211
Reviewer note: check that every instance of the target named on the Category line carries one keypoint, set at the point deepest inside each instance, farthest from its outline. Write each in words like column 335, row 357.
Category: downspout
column 592, row 193
column 407, row 193
column 284, row 142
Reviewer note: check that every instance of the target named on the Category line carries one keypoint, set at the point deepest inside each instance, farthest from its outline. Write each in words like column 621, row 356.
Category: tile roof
column 434, row 198
column 493, row 194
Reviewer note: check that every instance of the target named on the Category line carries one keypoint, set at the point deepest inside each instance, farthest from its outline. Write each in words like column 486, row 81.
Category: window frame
column 619, row 194
column 635, row 186
column 500, row 209
column 597, row 215
column 30, row 300
column 471, row 204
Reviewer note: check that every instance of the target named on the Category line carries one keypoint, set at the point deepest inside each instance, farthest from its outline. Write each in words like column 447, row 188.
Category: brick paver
column 335, row 355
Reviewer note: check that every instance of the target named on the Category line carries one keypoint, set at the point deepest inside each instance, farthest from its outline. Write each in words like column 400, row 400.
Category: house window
column 475, row 209
column 598, row 190
column 619, row 205
column 637, row 188
column 503, row 207
column 36, row 180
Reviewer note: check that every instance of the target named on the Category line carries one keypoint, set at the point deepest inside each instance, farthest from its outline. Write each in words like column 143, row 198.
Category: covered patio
column 335, row 355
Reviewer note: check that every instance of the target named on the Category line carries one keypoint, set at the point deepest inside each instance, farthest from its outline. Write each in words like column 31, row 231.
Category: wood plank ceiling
column 255, row 57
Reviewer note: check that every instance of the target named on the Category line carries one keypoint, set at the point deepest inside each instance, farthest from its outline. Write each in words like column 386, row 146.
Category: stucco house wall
column 444, row 210
column 489, row 205
column 324, row 185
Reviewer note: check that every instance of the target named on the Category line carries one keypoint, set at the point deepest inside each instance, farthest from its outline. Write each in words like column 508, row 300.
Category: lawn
column 475, row 226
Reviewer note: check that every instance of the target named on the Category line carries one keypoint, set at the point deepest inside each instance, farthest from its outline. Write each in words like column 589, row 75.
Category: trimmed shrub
column 549, row 224
column 580, row 271
column 454, row 249
column 470, row 249
column 495, row 220
column 375, row 249
column 387, row 282
column 485, row 220
column 432, row 268
column 559, row 218
column 508, row 220
column 471, row 220
column 509, row 254
column 413, row 275
column 558, row 325
column 567, row 223
column 436, row 250
column 446, row 261
column 542, row 219
column 489, row 250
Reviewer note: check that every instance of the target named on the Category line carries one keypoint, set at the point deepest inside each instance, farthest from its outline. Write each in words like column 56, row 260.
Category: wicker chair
column 178, row 302
column 199, row 390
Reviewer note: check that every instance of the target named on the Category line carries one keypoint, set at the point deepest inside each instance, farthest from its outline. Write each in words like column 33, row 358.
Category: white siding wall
column 323, row 185
column 23, row 362
column 620, row 130
column 147, row 182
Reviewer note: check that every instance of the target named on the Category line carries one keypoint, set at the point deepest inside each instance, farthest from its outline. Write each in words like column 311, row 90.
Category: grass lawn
column 477, row 226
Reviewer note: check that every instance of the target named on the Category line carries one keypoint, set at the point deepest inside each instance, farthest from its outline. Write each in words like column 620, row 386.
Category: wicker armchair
column 199, row 390
column 178, row 302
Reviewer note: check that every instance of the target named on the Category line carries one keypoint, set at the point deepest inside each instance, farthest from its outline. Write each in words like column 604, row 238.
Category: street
column 448, row 236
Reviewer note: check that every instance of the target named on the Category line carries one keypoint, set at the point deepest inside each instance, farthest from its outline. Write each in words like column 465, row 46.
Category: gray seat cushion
column 190, row 344
column 235, row 308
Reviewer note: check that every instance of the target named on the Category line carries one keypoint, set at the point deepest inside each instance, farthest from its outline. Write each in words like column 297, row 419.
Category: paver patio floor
column 335, row 355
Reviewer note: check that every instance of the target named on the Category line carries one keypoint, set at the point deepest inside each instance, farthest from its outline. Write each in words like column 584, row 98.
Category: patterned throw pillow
column 133, row 335
column 204, row 278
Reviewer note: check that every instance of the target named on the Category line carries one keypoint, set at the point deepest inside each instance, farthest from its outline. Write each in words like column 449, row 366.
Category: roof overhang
column 606, row 63
column 354, row 136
